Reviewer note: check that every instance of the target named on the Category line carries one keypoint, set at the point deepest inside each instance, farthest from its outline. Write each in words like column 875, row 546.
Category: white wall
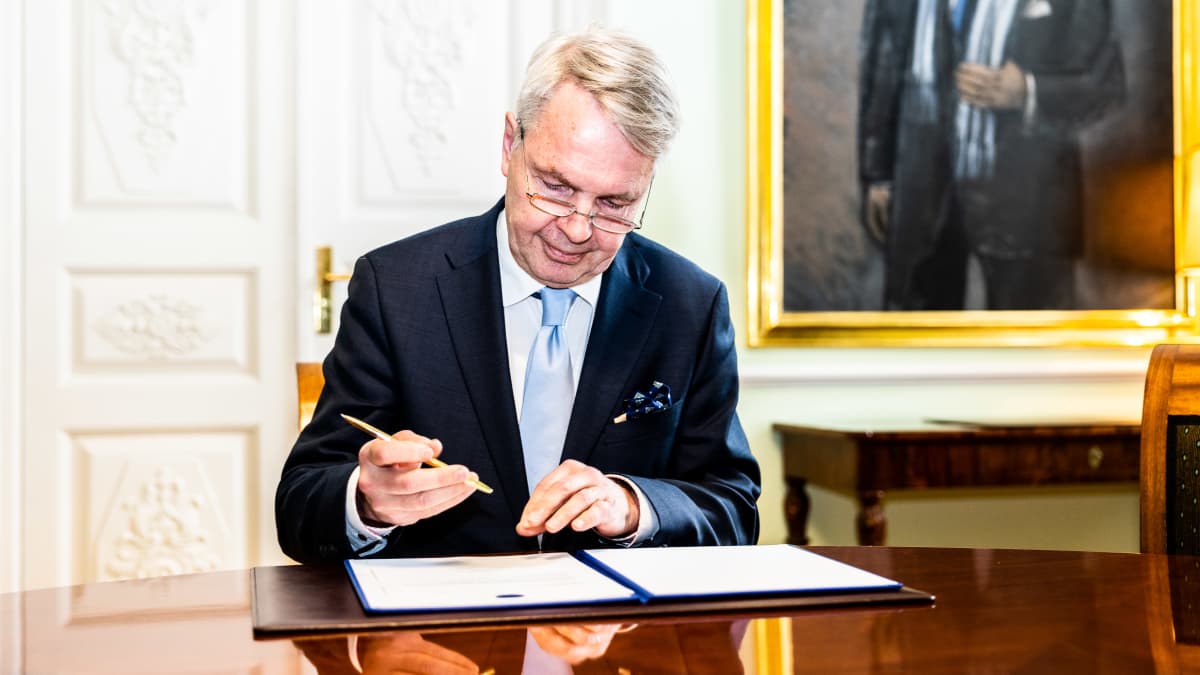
column 10, row 297
column 698, row 208
column 11, row 631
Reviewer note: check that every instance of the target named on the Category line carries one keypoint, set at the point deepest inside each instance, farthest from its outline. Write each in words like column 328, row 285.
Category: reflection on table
column 696, row 647
column 996, row 611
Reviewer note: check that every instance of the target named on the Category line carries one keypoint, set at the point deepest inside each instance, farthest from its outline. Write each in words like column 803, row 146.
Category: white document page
column 736, row 570
column 475, row 582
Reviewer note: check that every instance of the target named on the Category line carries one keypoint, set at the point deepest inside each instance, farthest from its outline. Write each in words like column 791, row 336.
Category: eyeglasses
column 608, row 222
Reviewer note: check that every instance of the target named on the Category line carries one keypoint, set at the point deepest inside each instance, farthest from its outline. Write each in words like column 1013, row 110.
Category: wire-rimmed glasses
column 608, row 222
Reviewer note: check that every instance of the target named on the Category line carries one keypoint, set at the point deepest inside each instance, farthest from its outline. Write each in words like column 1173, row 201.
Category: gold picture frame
column 770, row 325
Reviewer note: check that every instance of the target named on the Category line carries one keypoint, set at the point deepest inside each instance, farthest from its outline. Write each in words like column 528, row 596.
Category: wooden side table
column 865, row 461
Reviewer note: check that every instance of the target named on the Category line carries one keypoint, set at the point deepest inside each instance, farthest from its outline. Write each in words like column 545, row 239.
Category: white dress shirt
column 522, row 320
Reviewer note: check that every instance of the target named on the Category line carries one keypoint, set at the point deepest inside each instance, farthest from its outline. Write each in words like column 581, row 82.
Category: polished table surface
column 997, row 611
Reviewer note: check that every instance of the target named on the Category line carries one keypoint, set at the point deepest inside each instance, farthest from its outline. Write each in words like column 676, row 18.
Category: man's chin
column 559, row 281
column 557, row 275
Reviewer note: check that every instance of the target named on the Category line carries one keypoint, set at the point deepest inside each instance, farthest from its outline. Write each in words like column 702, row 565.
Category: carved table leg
column 795, row 510
column 871, row 521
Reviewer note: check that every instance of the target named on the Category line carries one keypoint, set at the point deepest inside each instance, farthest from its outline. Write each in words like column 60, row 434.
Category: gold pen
column 432, row 461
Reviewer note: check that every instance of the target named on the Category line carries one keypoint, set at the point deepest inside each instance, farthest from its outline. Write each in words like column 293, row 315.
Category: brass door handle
column 323, row 294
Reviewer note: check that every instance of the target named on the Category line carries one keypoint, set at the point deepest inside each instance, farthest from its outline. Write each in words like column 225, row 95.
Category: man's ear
column 510, row 137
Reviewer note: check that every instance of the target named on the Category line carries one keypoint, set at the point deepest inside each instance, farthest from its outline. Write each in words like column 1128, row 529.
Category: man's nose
column 577, row 226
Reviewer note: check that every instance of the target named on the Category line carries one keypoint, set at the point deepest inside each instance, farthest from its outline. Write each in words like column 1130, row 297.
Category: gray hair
column 625, row 76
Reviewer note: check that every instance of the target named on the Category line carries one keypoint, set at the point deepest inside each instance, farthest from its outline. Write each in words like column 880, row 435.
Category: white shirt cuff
column 1030, row 101
column 364, row 539
column 647, row 516
column 352, row 647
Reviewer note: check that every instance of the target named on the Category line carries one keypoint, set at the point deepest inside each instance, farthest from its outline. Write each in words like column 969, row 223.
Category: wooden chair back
column 309, row 383
column 1170, row 451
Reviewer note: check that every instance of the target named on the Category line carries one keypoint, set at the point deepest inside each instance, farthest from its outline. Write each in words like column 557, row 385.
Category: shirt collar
column 515, row 282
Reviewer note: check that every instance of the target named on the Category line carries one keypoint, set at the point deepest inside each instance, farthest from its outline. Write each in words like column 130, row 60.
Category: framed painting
column 973, row 172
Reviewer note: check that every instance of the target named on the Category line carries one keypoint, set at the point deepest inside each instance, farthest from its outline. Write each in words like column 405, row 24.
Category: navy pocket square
column 654, row 399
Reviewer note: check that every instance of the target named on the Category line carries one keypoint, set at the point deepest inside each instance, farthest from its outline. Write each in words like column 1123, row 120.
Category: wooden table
column 997, row 611
column 866, row 460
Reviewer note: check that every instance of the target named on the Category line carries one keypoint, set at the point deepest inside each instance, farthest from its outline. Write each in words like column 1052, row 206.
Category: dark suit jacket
column 422, row 347
column 1034, row 201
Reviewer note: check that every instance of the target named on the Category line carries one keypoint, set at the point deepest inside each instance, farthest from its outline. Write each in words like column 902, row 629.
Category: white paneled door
column 159, row 229
column 401, row 113
column 178, row 164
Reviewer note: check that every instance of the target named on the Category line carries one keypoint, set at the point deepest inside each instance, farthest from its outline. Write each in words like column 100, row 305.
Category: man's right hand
column 394, row 487
column 879, row 205
column 410, row 653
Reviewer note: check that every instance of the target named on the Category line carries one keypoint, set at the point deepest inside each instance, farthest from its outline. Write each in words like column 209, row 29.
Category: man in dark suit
column 969, row 120
column 441, row 338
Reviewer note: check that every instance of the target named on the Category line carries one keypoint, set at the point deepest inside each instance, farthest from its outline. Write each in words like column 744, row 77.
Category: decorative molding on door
column 158, row 51
column 162, row 109
column 156, row 327
column 162, row 322
column 418, row 75
column 158, row 529
column 161, row 502
column 417, row 53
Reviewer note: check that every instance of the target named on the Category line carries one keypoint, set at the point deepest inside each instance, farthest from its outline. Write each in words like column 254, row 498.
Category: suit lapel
column 624, row 316
column 471, row 300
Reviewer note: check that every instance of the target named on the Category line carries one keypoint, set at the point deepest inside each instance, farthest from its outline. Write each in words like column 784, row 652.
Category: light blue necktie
column 549, row 389
column 957, row 14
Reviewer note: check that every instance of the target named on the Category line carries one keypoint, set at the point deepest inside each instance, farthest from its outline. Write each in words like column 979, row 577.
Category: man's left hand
column 576, row 643
column 579, row 496
column 995, row 88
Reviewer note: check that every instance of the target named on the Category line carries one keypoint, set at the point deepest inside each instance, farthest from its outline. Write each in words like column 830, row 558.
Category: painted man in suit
column 969, row 121
column 441, row 331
